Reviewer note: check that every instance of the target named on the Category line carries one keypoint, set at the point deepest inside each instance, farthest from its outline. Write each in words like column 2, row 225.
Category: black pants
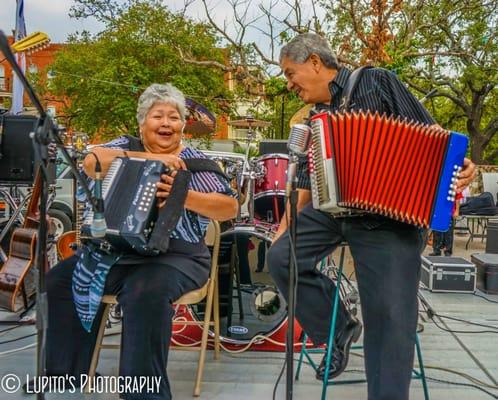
column 146, row 293
column 387, row 263
column 443, row 241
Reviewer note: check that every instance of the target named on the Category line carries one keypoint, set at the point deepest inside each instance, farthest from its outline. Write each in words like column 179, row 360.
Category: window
column 2, row 78
column 51, row 111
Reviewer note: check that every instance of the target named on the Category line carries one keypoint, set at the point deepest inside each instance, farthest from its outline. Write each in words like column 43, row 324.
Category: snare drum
column 269, row 189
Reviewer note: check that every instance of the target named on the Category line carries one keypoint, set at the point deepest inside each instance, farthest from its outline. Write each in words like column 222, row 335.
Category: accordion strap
column 170, row 213
column 350, row 87
column 193, row 164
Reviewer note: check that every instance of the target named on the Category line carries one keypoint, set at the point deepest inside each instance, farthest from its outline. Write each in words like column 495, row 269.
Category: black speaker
column 492, row 236
column 17, row 162
column 273, row 146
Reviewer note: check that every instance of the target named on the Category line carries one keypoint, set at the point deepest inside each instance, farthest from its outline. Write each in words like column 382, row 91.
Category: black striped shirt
column 378, row 90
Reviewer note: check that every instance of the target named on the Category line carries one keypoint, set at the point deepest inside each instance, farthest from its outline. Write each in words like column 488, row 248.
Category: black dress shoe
column 435, row 253
column 447, row 253
column 340, row 353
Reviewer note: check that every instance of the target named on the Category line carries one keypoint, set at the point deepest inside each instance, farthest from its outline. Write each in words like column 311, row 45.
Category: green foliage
column 280, row 106
column 103, row 75
column 449, row 45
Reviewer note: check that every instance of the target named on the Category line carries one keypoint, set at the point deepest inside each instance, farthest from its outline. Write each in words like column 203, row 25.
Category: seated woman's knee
column 150, row 291
column 59, row 277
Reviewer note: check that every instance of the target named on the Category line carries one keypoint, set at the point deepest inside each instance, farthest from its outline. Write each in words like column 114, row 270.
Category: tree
column 104, row 74
column 448, row 45
column 281, row 105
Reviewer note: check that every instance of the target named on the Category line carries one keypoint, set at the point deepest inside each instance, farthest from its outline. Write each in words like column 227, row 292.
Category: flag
column 17, row 88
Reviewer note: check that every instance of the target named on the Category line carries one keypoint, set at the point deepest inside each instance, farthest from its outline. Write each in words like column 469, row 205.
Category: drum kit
column 250, row 303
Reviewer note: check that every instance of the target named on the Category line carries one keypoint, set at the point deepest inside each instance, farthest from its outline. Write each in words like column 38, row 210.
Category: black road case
column 448, row 274
column 487, row 272
column 492, row 236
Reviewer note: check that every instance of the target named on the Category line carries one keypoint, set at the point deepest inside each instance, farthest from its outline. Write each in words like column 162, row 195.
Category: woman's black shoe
column 340, row 353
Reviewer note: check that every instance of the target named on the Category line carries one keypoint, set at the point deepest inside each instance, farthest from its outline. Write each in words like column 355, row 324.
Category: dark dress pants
column 387, row 264
column 443, row 241
column 146, row 293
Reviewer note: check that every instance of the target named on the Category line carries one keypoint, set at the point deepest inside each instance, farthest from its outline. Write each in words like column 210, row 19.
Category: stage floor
column 252, row 375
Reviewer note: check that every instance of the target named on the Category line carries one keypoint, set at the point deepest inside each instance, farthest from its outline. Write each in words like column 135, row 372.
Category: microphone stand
column 46, row 132
column 291, row 304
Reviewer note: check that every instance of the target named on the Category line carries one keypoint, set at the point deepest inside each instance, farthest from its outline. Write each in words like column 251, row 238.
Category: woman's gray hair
column 301, row 47
column 158, row 93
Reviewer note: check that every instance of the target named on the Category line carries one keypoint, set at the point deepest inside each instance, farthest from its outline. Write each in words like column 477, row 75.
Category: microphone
column 299, row 138
column 297, row 145
column 98, row 226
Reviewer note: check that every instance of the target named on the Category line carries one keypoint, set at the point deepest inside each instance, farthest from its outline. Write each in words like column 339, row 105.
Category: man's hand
column 466, row 175
column 164, row 187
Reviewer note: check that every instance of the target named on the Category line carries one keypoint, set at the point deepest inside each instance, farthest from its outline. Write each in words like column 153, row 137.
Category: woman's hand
column 466, row 175
column 171, row 161
column 164, row 187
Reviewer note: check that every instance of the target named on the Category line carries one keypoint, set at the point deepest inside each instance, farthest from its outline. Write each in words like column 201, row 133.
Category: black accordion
column 131, row 212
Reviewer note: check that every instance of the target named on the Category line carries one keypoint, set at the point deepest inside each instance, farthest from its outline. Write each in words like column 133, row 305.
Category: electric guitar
column 68, row 242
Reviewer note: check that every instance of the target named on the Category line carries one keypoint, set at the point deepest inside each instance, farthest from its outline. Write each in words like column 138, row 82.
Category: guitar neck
column 79, row 218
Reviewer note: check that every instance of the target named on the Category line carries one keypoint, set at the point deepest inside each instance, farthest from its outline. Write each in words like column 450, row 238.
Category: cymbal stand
column 248, row 172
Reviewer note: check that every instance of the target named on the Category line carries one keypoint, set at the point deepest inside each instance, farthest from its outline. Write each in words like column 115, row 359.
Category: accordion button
column 448, row 198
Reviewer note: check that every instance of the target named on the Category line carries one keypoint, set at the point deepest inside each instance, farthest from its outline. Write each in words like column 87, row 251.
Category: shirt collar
column 336, row 86
column 339, row 81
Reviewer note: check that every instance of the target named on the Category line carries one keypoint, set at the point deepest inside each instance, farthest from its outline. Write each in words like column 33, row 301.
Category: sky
column 52, row 17
column 49, row 16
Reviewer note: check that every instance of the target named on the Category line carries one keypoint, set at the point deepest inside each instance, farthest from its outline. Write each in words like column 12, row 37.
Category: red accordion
column 384, row 165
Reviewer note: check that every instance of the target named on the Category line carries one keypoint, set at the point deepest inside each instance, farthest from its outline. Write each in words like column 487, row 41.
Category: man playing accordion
column 386, row 252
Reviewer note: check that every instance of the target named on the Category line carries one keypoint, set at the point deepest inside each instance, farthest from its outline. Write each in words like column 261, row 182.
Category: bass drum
column 250, row 303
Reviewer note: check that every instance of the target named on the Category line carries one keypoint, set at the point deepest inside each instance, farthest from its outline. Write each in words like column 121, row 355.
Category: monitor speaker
column 273, row 146
column 17, row 162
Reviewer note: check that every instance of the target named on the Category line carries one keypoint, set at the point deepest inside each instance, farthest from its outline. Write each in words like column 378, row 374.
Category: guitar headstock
column 33, row 42
column 79, row 141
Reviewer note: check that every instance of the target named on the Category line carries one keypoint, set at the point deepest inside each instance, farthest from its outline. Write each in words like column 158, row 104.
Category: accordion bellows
column 384, row 165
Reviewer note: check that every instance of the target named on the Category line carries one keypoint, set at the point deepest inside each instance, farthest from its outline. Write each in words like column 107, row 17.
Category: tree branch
column 204, row 63
column 490, row 131
column 263, row 57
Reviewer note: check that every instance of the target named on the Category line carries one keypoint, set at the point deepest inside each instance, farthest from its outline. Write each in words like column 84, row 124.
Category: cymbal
column 301, row 115
column 249, row 122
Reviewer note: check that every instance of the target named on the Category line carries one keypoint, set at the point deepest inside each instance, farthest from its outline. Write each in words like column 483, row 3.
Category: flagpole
column 17, row 105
